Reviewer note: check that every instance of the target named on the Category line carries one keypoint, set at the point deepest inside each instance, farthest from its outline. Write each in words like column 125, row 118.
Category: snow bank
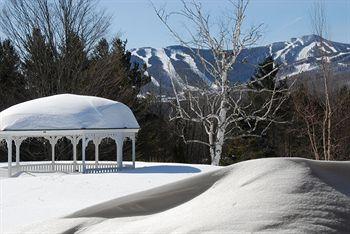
column 34, row 197
column 67, row 111
column 268, row 195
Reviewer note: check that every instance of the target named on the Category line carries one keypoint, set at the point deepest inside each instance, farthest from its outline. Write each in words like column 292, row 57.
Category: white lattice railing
column 90, row 167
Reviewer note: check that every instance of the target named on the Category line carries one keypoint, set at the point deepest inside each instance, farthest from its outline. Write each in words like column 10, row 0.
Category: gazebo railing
column 69, row 167
column 75, row 136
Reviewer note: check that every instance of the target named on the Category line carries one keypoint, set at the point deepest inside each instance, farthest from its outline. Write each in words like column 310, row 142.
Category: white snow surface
column 304, row 53
column 34, row 197
column 155, row 82
column 274, row 195
column 67, row 111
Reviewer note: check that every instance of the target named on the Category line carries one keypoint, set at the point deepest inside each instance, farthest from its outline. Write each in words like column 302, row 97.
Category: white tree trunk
column 218, row 144
column 221, row 104
column 211, row 143
column 218, row 149
column 220, row 135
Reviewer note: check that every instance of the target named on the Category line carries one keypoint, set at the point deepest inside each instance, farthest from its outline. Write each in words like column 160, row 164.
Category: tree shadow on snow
column 163, row 169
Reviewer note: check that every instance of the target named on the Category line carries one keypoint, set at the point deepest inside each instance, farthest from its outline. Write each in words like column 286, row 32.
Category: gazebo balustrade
column 74, row 166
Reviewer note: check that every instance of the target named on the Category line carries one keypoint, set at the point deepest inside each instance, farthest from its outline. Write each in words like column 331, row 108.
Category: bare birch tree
column 321, row 106
column 224, row 110
column 308, row 108
column 319, row 23
column 316, row 108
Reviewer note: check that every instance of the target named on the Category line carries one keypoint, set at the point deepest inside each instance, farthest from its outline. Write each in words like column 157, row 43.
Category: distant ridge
column 298, row 54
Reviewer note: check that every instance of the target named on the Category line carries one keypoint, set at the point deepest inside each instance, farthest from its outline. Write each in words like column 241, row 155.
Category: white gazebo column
column 83, row 147
column 97, row 142
column 119, row 141
column 133, row 151
column 74, row 140
column 74, row 143
column 18, row 142
column 9, row 156
column 53, row 140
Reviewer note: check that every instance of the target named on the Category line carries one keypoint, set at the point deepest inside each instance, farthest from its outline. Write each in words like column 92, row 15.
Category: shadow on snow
column 163, row 169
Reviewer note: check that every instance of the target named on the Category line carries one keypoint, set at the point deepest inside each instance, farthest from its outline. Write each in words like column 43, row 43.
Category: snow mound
column 34, row 197
column 267, row 195
column 67, row 111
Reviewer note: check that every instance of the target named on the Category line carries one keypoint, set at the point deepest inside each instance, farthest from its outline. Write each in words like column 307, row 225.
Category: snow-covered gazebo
column 75, row 117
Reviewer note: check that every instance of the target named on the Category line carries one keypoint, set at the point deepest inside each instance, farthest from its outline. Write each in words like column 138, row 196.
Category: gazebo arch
column 78, row 118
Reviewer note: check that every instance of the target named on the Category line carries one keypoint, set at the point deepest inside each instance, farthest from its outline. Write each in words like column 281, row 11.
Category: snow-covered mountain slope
column 298, row 55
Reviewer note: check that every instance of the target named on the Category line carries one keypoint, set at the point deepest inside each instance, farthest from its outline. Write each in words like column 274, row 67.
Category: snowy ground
column 273, row 195
column 31, row 198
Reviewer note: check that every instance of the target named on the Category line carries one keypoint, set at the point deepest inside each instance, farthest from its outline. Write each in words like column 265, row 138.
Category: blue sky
column 283, row 19
column 136, row 21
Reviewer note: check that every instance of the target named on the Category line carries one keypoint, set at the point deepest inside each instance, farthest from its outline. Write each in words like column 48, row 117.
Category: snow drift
column 67, row 111
column 267, row 195
column 34, row 197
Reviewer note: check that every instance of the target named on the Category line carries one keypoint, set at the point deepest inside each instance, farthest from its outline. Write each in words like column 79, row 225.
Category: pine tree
column 112, row 73
column 101, row 50
column 265, row 75
column 273, row 142
column 73, row 65
column 39, row 66
column 257, row 147
column 12, row 84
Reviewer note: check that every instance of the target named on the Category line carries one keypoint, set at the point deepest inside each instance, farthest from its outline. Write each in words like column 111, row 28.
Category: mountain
column 298, row 55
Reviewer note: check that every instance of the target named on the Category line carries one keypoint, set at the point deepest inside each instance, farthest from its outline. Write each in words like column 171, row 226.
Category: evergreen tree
column 73, row 65
column 101, row 50
column 51, row 70
column 39, row 66
column 113, row 75
column 12, row 84
column 264, row 76
column 257, row 147
column 263, row 80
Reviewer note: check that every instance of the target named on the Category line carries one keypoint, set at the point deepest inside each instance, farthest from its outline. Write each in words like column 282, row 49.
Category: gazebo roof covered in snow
column 67, row 112
column 77, row 118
